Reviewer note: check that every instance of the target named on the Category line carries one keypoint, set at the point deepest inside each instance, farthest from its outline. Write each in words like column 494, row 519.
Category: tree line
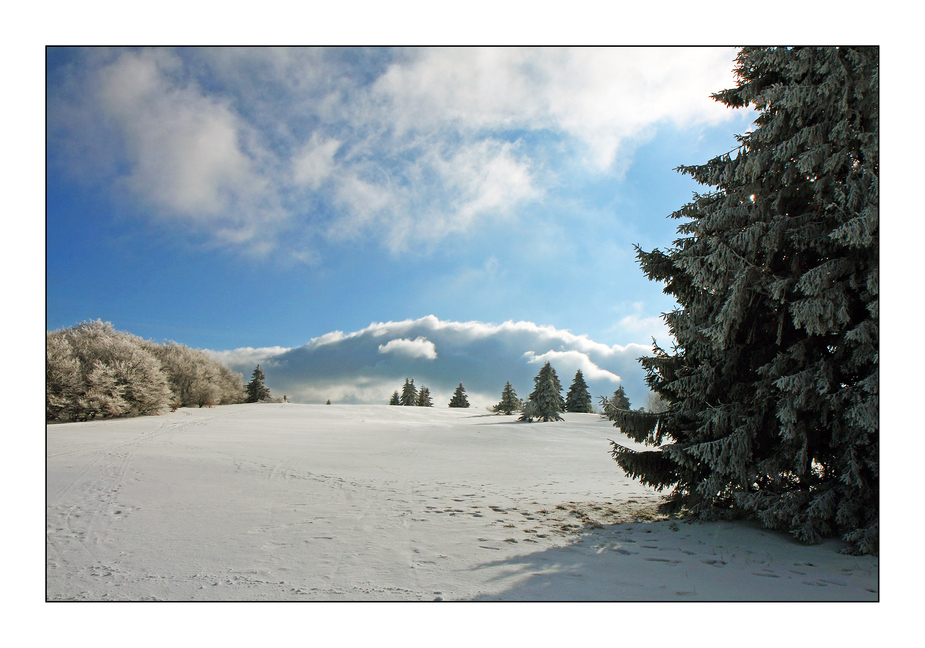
column 544, row 403
column 94, row 371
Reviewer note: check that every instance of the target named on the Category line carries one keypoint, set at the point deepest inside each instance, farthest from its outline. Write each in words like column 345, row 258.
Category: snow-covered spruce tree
column 424, row 399
column 395, row 400
column 545, row 400
column 619, row 401
column 509, row 401
column 409, row 394
column 773, row 385
column 256, row 390
column 578, row 398
column 459, row 397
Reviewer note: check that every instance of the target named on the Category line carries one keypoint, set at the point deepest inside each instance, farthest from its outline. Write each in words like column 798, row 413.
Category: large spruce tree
column 545, row 400
column 773, row 385
column 578, row 398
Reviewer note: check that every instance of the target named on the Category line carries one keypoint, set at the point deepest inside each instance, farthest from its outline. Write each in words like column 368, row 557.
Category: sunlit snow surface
column 315, row 502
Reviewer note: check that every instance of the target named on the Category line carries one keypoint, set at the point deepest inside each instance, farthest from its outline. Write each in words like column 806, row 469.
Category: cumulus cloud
column 179, row 153
column 410, row 146
column 419, row 347
column 603, row 97
column 366, row 366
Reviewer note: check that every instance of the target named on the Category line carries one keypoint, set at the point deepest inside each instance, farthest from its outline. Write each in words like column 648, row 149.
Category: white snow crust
column 286, row 502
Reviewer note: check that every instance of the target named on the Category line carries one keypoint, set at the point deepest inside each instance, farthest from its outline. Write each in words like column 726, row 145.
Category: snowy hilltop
column 291, row 502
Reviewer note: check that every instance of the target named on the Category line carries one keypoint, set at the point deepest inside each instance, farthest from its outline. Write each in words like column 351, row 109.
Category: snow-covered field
column 284, row 502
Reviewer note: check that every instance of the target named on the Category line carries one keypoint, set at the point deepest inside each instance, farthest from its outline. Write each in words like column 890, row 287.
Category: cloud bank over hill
column 366, row 366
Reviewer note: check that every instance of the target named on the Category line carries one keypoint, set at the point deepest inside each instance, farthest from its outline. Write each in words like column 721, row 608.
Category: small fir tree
column 395, row 400
column 409, row 394
column 545, row 400
column 615, row 403
column 424, row 399
column 459, row 397
column 509, row 401
column 256, row 390
column 578, row 398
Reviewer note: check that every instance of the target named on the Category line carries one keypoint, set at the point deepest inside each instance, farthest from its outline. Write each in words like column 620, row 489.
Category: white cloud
column 641, row 326
column 604, row 97
column 182, row 154
column 244, row 359
column 572, row 361
column 183, row 147
column 419, row 347
column 608, row 100
column 314, row 163
column 363, row 367
column 411, row 147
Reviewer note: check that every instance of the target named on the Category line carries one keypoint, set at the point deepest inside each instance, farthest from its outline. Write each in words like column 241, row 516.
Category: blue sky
column 250, row 201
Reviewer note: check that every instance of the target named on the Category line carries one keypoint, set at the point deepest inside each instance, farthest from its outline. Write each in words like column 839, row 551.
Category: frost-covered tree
column 509, row 401
column 196, row 379
column 395, row 400
column 773, row 384
column 409, row 394
column 545, row 400
column 64, row 380
column 424, row 399
column 256, row 390
column 654, row 403
column 93, row 371
column 459, row 397
column 578, row 398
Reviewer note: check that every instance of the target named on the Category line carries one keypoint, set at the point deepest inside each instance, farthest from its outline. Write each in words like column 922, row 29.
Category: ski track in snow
column 295, row 502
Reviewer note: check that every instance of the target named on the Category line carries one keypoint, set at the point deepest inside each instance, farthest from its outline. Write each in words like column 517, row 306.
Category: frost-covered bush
column 94, row 371
column 195, row 379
